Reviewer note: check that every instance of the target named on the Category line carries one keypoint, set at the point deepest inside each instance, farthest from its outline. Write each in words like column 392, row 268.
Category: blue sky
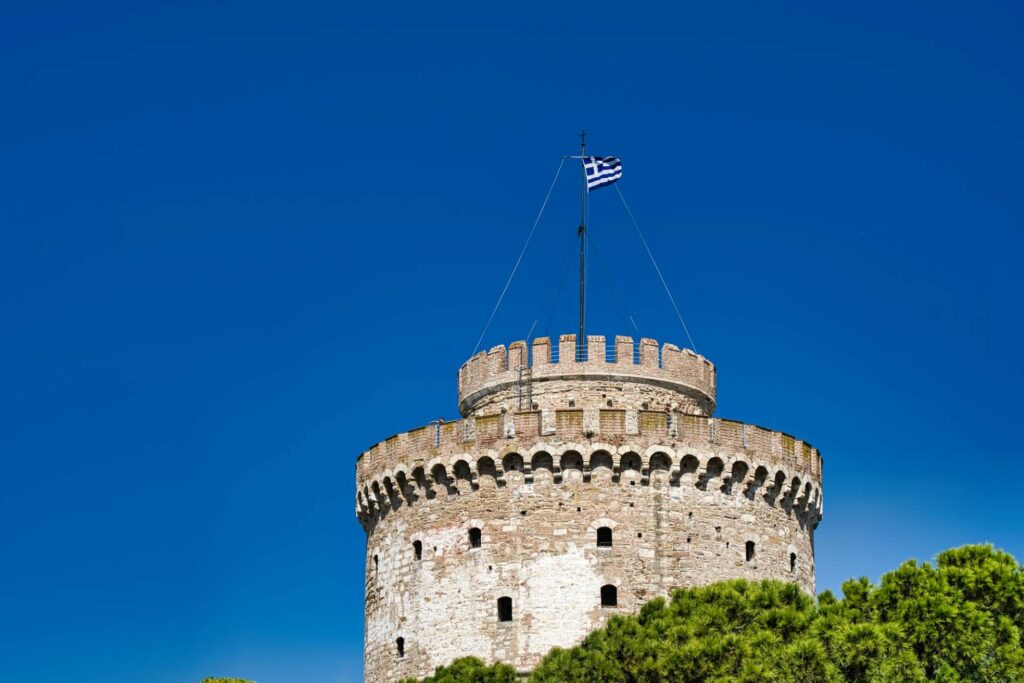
column 242, row 242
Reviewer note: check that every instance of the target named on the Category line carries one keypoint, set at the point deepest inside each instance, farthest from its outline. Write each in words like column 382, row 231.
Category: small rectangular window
column 505, row 609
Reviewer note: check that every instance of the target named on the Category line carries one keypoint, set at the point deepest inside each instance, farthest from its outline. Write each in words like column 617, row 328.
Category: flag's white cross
column 601, row 171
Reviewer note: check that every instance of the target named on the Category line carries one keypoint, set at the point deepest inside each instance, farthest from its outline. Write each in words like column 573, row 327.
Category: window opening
column 505, row 608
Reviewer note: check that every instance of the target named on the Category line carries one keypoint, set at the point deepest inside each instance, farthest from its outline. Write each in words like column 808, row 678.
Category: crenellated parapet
column 501, row 377
column 670, row 450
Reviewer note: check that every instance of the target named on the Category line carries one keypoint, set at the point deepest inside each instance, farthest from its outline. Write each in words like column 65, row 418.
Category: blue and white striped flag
column 602, row 171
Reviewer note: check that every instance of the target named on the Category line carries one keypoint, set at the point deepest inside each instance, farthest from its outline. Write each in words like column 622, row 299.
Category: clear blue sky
column 243, row 242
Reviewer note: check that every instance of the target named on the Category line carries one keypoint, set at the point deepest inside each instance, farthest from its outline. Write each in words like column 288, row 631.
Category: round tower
column 581, row 482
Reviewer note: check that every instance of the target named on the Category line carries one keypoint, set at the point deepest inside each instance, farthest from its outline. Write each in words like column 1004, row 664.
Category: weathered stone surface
column 633, row 450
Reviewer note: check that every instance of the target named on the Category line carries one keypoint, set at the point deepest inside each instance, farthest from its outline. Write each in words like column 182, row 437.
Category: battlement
column 644, row 433
column 501, row 373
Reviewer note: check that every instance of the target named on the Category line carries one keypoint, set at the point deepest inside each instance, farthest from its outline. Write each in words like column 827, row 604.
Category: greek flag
column 602, row 171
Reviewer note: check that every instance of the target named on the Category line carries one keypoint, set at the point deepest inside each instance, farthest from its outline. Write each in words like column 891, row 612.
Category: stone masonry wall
column 679, row 518
column 689, row 499
column 592, row 393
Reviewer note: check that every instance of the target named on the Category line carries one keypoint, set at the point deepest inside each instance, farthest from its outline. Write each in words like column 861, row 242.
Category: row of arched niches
column 796, row 492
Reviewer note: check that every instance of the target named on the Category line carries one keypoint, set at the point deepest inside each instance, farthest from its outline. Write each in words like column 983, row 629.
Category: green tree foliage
column 960, row 621
column 470, row 670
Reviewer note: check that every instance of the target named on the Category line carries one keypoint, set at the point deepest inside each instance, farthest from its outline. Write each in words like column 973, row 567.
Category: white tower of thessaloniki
column 569, row 491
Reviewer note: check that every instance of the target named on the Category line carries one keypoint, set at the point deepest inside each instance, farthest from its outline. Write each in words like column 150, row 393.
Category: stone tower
column 570, row 491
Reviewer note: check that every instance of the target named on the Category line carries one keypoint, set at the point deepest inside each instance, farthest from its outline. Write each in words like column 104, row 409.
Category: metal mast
column 581, row 339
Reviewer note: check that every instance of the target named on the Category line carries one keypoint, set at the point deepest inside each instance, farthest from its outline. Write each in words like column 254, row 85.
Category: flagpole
column 581, row 339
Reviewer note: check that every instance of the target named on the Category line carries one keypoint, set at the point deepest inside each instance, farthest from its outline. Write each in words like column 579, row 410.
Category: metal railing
column 581, row 352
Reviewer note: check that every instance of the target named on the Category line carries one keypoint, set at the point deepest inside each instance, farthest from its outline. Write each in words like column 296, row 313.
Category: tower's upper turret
column 619, row 375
